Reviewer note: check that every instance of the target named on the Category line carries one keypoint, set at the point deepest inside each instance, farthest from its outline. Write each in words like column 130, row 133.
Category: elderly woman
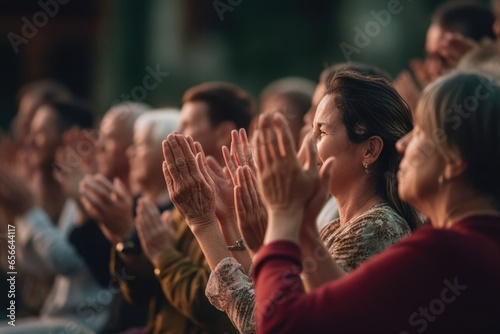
column 358, row 125
column 437, row 279
column 109, row 202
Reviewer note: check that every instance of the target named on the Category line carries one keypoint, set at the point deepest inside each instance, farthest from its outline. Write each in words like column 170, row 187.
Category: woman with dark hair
column 358, row 123
column 435, row 280
column 358, row 126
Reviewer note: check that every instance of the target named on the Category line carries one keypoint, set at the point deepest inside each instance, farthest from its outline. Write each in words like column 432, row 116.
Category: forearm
column 319, row 266
column 284, row 225
column 211, row 242
column 51, row 244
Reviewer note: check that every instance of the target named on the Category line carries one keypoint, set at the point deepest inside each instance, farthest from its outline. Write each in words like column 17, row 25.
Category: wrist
column 199, row 225
column 283, row 214
column 284, row 225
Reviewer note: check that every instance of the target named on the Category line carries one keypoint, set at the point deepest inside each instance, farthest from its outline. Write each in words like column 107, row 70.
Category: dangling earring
column 365, row 164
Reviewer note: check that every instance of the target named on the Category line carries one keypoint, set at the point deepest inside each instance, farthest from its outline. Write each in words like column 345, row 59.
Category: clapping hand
column 189, row 184
column 287, row 184
column 250, row 211
column 156, row 233
column 110, row 204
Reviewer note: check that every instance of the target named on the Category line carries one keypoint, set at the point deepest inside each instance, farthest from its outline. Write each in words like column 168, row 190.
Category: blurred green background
column 100, row 48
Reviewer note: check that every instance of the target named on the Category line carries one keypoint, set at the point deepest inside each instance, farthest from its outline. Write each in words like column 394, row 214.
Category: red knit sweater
column 435, row 281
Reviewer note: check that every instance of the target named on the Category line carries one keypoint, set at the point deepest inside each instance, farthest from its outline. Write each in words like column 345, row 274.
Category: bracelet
column 238, row 246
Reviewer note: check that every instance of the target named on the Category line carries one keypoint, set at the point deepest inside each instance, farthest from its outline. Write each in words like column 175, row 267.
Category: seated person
column 57, row 139
column 450, row 265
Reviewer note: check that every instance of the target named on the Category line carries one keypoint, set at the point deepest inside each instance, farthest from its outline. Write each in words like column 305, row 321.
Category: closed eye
column 318, row 134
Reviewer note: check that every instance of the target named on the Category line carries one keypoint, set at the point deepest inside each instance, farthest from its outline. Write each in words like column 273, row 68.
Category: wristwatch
column 129, row 246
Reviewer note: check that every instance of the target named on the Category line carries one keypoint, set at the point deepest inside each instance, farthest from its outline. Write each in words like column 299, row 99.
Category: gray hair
column 483, row 60
column 162, row 121
column 128, row 112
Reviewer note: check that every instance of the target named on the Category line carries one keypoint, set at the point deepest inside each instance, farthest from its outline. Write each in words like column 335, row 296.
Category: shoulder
column 463, row 242
column 382, row 222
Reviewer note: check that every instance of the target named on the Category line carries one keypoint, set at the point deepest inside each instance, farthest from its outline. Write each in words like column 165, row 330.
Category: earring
column 365, row 164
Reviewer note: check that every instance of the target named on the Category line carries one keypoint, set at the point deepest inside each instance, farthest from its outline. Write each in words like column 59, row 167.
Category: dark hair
column 475, row 137
column 370, row 106
column 473, row 20
column 226, row 102
column 71, row 113
column 364, row 69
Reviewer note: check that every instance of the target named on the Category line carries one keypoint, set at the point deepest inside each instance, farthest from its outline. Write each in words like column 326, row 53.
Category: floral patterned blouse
column 230, row 289
column 352, row 243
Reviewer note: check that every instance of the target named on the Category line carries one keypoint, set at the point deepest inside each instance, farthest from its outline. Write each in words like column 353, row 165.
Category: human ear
column 454, row 168
column 372, row 149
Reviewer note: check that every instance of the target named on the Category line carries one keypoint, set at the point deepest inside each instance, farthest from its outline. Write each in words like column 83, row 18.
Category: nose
column 402, row 143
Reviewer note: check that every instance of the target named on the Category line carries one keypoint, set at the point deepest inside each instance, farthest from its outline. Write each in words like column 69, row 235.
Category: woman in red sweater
column 445, row 278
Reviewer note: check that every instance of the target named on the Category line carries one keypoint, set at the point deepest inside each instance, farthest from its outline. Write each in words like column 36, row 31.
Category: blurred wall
column 153, row 50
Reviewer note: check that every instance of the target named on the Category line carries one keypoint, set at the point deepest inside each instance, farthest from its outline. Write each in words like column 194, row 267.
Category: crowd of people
column 359, row 204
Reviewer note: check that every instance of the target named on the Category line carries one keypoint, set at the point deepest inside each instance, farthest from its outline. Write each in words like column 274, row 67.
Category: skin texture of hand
column 15, row 194
column 287, row 185
column 110, row 204
column 194, row 194
column 189, row 184
column 240, row 154
column 317, row 201
column 250, row 211
column 156, row 233
column 224, row 202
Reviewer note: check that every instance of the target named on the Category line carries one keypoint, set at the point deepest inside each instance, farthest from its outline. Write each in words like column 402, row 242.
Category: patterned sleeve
column 230, row 290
